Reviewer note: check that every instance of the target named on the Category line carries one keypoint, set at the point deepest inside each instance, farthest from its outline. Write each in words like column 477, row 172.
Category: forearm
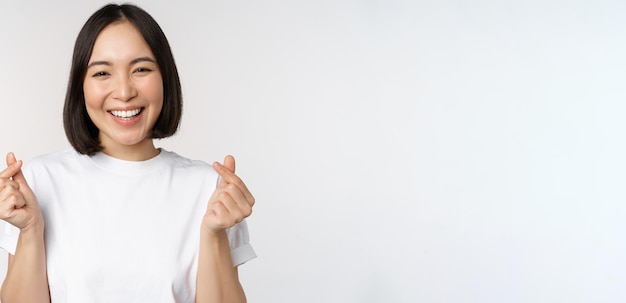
column 26, row 279
column 217, row 281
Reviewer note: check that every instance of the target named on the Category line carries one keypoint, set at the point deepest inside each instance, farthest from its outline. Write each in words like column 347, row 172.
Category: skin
column 123, row 76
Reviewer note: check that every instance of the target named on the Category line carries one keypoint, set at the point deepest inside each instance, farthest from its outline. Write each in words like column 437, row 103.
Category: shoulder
column 179, row 161
column 57, row 158
column 182, row 161
column 188, row 173
column 181, row 164
column 57, row 165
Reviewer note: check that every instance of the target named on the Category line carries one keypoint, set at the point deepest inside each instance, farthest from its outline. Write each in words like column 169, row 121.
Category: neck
column 139, row 152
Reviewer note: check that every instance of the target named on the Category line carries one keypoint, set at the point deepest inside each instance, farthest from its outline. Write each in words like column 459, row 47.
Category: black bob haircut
column 81, row 132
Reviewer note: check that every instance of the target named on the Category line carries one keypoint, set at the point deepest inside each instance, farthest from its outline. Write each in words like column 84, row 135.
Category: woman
column 115, row 219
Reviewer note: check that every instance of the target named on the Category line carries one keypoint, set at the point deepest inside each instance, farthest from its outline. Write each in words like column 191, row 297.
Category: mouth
column 126, row 114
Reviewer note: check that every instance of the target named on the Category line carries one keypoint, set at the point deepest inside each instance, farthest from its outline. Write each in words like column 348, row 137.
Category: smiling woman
column 107, row 39
column 124, row 221
column 123, row 91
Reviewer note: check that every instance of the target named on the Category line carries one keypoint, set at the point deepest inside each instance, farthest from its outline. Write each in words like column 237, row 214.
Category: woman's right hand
column 18, row 204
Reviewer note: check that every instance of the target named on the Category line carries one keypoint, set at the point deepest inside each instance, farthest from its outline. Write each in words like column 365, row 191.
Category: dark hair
column 79, row 129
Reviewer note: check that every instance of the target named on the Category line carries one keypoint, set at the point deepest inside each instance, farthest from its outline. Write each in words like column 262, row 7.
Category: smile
column 126, row 114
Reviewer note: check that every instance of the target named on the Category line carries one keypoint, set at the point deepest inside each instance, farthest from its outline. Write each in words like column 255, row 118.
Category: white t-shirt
column 123, row 231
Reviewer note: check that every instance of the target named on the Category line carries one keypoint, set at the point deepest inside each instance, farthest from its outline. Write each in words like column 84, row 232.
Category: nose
column 124, row 89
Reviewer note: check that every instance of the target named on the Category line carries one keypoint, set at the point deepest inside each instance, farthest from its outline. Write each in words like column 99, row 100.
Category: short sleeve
column 9, row 236
column 239, row 241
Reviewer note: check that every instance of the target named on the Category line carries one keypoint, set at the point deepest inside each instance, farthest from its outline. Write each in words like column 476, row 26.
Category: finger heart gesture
column 231, row 201
column 18, row 204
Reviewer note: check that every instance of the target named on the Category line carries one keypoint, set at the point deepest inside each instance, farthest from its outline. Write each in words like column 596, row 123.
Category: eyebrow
column 132, row 62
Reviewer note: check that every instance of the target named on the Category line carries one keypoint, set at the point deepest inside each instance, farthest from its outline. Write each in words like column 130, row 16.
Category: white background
column 399, row 151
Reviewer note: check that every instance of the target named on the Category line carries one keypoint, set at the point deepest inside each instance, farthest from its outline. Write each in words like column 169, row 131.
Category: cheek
column 157, row 96
column 153, row 92
column 93, row 94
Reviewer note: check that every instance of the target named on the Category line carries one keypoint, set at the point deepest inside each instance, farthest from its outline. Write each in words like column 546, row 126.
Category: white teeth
column 125, row 113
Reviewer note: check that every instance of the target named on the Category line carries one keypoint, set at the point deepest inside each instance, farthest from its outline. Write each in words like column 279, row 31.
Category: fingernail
column 217, row 164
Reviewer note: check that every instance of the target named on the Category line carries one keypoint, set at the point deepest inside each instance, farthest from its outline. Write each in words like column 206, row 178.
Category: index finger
column 228, row 177
column 13, row 167
column 229, row 164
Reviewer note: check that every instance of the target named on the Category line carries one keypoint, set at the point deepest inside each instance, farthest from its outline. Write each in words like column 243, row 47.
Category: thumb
column 229, row 162
column 10, row 159
column 228, row 166
column 18, row 176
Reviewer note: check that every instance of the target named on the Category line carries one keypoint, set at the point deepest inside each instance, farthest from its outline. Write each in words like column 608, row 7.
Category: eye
column 142, row 70
column 100, row 74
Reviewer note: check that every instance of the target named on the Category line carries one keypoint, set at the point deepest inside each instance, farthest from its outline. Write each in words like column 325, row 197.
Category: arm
column 218, row 279
column 26, row 279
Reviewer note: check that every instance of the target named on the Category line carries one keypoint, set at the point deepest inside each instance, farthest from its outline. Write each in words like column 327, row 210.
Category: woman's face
column 123, row 89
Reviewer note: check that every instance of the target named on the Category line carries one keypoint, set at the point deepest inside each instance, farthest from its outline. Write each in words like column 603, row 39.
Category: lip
column 126, row 121
column 125, row 108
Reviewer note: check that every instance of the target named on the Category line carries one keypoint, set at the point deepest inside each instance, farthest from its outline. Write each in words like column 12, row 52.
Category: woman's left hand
column 231, row 201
